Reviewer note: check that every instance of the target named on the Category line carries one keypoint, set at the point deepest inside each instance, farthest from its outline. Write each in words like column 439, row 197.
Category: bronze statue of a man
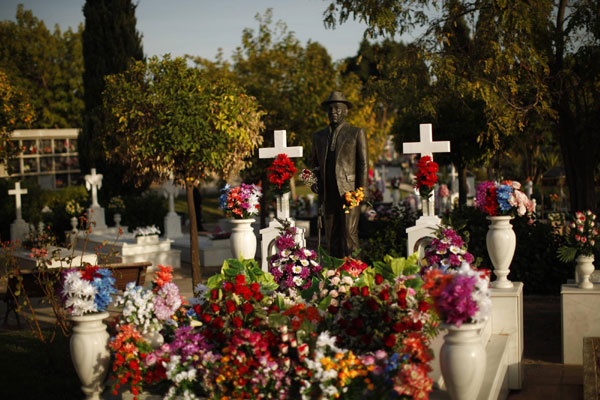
column 339, row 159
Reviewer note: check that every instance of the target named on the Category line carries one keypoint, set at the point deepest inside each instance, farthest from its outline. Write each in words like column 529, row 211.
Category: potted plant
column 146, row 234
column 582, row 237
column 240, row 204
column 501, row 202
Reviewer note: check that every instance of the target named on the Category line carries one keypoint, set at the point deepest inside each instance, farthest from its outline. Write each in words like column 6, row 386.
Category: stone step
column 495, row 380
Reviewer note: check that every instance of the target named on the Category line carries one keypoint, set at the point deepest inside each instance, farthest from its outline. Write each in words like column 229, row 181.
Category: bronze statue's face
column 337, row 112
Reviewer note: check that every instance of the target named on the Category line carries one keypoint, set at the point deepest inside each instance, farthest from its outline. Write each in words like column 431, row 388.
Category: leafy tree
column 540, row 62
column 15, row 111
column 46, row 66
column 165, row 120
column 110, row 44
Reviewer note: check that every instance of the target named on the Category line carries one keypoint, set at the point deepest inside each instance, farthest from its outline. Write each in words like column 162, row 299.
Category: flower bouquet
column 308, row 177
column 88, row 290
column 426, row 176
column 73, row 208
column 446, row 250
column 146, row 231
column 504, row 198
column 395, row 182
column 293, row 267
column 353, row 198
column 582, row 236
column 241, row 202
column 461, row 296
column 280, row 173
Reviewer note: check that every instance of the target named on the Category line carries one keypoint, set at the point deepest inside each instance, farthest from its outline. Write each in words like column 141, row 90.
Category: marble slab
column 579, row 319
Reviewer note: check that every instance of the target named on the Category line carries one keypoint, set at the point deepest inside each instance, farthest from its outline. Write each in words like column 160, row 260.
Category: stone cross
column 426, row 146
column 94, row 182
column 283, row 204
column 170, row 190
column 17, row 192
column 453, row 178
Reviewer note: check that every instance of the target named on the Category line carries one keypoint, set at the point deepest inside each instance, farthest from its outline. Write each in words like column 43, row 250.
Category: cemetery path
column 545, row 377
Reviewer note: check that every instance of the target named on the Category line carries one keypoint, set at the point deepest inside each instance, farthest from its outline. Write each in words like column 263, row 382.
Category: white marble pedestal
column 580, row 318
column 19, row 230
column 59, row 257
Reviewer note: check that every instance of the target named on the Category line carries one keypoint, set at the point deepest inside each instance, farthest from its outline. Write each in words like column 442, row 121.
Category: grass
column 30, row 369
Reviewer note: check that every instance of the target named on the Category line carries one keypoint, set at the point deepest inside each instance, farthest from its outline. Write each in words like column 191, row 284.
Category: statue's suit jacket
column 351, row 163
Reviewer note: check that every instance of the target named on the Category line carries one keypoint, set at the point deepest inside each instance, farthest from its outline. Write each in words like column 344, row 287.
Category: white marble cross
column 170, row 190
column 280, row 148
column 94, row 182
column 283, row 202
column 426, row 146
column 17, row 192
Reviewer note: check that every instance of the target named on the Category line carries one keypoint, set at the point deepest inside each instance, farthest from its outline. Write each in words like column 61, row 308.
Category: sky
column 201, row 27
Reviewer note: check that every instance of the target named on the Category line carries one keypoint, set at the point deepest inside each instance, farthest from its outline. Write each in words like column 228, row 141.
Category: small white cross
column 280, row 148
column 426, row 146
column 94, row 182
column 454, row 176
column 17, row 192
column 170, row 190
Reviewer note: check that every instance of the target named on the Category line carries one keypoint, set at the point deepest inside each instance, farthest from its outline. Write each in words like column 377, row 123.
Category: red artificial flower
column 240, row 279
column 402, row 298
column 372, row 304
column 214, row 294
column 255, row 287
column 354, row 291
column 228, row 286
column 89, row 273
column 247, row 308
column 378, row 279
column 215, row 307
column 229, row 306
column 426, row 175
column 390, row 340
column 237, row 322
column 364, row 291
column 332, row 309
column 218, row 323
column 281, row 171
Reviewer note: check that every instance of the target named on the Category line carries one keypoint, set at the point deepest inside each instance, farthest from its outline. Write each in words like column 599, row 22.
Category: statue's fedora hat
column 336, row 97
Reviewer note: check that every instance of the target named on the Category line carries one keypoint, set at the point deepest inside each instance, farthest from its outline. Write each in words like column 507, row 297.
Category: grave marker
column 19, row 229
column 270, row 233
column 172, row 220
column 93, row 182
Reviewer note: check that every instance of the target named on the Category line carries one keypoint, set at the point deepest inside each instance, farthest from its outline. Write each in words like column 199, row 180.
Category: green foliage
column 249, row 268
column 110, row 44
column 392, row 267
column 165, row 118
column 385, row 237
column 149, row 208
column 566, row 254
column 46, row 66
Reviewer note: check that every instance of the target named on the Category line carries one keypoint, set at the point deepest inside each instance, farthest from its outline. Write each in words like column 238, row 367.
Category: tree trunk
column 194, row 249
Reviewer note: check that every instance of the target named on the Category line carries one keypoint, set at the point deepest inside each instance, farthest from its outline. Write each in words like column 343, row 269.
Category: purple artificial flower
column 456, row 300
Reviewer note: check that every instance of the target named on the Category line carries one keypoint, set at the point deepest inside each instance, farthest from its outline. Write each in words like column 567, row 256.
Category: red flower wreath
column 426, row 176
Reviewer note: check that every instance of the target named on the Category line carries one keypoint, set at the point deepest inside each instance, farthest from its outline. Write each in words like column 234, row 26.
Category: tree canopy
column 15, row 111
column 165, row 119
column 46, row 66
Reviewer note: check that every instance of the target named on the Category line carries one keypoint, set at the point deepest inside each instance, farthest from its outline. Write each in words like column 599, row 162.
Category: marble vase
column 243, row 240
column 89, row 352
column 463, row 360
column 585, row 268
column 501, row 243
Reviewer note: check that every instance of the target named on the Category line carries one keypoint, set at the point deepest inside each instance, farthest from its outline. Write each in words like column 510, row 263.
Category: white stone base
column 580, row 318
column 173, row 226
column 424, row 227
column 19, row 230
column 96, row 214
column 212, row 252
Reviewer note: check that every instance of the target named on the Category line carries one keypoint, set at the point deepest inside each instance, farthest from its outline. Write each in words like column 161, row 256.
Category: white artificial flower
column 296, row 269
column 305, row 263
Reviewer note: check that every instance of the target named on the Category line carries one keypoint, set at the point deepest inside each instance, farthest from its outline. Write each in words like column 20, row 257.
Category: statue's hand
column 315, row 188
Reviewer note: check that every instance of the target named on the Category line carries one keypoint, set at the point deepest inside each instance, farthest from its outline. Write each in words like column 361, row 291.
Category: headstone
column 453, row 185
column 270, row 233
column 172, row 220
column 19, row 229
column 427, row 224
column 93, row 182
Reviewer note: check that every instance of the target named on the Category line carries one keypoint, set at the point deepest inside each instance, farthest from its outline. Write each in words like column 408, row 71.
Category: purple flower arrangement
column 292, row 267
column 447, row 250
column 504, row 198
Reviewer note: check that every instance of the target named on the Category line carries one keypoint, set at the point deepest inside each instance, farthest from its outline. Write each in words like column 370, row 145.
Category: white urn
column 501, row 243
column 463, row 361
column 243, row 240
column 90, row 353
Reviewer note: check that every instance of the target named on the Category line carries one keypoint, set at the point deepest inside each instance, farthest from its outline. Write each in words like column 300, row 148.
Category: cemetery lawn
column 32, row 370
